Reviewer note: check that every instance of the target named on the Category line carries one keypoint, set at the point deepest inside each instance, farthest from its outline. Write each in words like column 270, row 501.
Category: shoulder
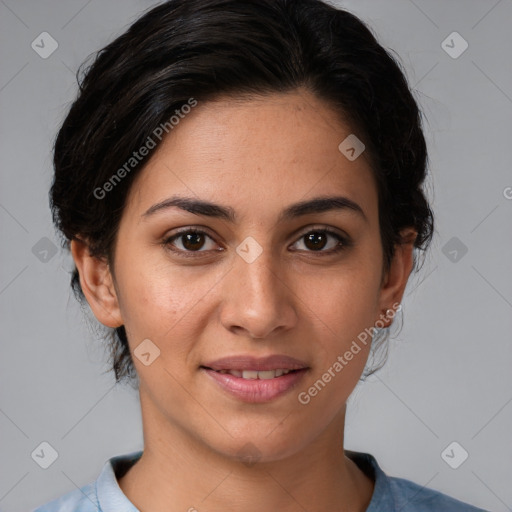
column 102, row 495
column 393, row 493
column 413, row 497
column 80, row 500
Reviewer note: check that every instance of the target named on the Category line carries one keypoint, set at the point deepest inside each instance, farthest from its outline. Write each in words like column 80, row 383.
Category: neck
column 178, row 472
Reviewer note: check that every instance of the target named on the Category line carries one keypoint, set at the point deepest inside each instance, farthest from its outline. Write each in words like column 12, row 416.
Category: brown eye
column 190, row 240
column 315, row 240
column 318, row 239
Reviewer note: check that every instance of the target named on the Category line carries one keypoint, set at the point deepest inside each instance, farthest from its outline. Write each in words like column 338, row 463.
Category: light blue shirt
column 390, row 494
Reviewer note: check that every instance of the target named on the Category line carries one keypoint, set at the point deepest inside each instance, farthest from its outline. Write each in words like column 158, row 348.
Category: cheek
column 161, row 301
column 340, row 311
column 340, row 325
column 343, row 300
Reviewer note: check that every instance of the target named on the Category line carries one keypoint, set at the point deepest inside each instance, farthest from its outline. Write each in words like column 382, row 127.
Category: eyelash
column 345, row 242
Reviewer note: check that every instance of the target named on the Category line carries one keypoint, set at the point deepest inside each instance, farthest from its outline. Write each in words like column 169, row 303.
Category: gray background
column 448, row 376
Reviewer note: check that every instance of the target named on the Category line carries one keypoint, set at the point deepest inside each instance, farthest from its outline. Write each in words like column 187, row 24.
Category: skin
column 256, row 156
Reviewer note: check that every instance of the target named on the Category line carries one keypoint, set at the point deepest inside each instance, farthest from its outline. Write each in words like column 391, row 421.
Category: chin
column 256, row 446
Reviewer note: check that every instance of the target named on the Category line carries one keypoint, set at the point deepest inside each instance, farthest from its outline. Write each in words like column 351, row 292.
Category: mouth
column 256, row 374
column 255, row 379
column 252, row 388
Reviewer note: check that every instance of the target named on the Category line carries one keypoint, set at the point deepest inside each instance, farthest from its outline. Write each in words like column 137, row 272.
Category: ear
column 97, row 284
column 395, row 280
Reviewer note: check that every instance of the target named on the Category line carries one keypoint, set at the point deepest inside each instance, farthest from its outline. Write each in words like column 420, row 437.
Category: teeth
column 249, row 374
column 252, row 374
column 236, row 373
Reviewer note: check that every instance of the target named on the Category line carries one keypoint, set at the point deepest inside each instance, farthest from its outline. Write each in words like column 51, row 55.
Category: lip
column 247, row 362
column 256, row 390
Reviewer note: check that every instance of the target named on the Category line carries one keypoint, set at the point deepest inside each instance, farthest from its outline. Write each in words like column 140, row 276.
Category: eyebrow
column 208, row 209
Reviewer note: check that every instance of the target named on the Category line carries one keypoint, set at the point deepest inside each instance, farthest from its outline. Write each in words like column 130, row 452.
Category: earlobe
column 97, row 284
column 396, row 278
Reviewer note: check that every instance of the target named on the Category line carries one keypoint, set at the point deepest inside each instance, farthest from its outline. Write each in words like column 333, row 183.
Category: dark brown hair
column 203, row 49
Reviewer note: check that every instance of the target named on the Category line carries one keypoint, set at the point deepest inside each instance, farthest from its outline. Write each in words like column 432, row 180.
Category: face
column 255, row 277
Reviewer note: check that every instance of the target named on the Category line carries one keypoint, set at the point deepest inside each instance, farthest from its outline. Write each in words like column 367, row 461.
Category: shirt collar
column 382, row 497
column 110, row 496
column 112, row 499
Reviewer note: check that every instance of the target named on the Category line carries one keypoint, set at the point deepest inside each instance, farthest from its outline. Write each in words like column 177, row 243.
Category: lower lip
column 256, row 390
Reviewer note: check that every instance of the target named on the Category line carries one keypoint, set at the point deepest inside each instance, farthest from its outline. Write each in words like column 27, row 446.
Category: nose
column 257, row 299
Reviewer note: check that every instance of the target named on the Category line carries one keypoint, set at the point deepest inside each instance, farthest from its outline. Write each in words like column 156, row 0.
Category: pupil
column 193, row 237
column 313, row 238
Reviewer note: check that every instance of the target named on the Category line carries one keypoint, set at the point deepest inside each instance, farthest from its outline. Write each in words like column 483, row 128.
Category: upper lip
column 247, row 362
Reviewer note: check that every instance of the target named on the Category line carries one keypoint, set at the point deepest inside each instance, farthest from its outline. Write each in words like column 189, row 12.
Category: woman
column 240, row 187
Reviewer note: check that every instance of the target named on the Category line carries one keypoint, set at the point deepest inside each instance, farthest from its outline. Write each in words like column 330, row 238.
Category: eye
column 317, row 239
column 193, row 240
column 190, row 239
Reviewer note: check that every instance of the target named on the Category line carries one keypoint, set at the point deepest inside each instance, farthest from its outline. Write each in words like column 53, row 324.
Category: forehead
column 282, row 148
